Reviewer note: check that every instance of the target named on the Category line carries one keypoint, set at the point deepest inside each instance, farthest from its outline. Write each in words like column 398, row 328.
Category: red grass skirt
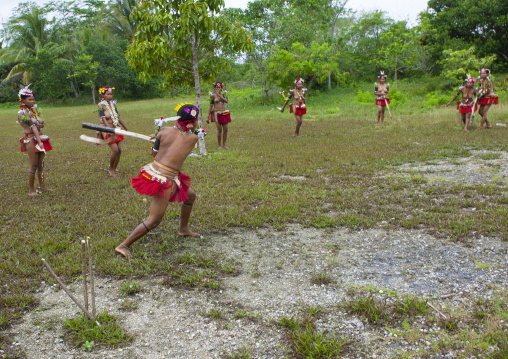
column 151, row 184
column 383, row 102
column 44, row 140
column 118, row 138
column 489, row 100
column 299, row 110
column 223, row 118
column 466, row 109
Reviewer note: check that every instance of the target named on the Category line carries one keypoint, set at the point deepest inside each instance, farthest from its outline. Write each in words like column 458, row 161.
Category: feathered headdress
column 25, row 92
column 299, row 79
column 221, row 84
column 103, row 90
column 382, row 75
column 470, row 79
column 486, row 70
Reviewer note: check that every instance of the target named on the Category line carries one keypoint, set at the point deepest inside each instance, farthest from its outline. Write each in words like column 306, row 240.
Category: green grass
column 475, row 327
column 305, row 341
column 346, row 162
column 81, row 331
column 130, row 288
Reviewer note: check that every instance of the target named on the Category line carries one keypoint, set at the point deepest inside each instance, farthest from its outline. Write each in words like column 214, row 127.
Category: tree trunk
column 76, row 93
column 93, row 94
column 197, row 89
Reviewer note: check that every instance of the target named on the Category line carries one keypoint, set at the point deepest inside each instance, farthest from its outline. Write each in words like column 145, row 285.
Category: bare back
column 174, row 147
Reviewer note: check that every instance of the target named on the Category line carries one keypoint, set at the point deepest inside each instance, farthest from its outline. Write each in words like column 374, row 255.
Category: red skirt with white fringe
column 300, row 111
column 489, row 100
column 383, row 102
column 44, row 140
column 152, row 184
column 466, row 109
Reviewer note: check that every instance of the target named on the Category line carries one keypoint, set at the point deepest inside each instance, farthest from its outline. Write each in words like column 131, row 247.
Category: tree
column 182, row 41
column 400, row 48
column 312, row 64
column 457, row 64
column 26, row 35
column 119, row 20
column 361, row 42
column 482, row 23
column 85, row 71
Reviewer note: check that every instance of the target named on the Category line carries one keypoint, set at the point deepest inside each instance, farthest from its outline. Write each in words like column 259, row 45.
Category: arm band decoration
column 156, row 144
column 101, row 113
column 375, row 89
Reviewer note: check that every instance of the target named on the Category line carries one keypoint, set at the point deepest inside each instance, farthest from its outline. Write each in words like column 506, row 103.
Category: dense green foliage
column 72, row 54
column 322, row 41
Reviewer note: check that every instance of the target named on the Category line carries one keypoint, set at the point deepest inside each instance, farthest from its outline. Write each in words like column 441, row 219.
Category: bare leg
column 219, row 131
column 483, row 112
column 380, row 114
column 157, row 210
column 299, row 121
column 185, row 214
column 466, row 123
column 116, row 152
column 33, row 165
column 224, row 135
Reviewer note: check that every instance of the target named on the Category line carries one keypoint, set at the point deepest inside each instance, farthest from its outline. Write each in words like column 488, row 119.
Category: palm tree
column 119, row 19
column 27, row 35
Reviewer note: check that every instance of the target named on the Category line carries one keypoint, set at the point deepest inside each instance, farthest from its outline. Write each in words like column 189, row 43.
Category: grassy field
column 341, row 153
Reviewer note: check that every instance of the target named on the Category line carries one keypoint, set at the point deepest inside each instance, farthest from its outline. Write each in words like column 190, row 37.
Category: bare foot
column 46, row 189
column 225, row 147
column 112, row 173
column 187, row 232
column 123, row 250
column 33, row 193
column 489, row 126
column 220, row 148
column 479, row 128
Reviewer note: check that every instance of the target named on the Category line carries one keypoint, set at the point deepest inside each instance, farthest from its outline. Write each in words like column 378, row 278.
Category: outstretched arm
column 285, row 103
column 453, row 99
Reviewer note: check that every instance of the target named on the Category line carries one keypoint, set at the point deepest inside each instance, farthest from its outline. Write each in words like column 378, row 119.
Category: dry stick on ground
column 92, row 280
column 66, row 290
column 444, row 316
column 83, row 266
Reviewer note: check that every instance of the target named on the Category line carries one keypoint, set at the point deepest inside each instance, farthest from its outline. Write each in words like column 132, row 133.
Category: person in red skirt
column 381, row 90
column 219, row 114
column 467, row 104
column 486, row 97
column 34, row 143
column 162, row 178
column 109, row 117
column 298, row 107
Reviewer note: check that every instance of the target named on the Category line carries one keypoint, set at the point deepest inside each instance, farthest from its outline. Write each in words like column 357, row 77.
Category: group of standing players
column 162, row 178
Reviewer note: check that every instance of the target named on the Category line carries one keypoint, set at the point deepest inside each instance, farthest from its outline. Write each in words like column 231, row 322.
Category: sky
column 396, row 9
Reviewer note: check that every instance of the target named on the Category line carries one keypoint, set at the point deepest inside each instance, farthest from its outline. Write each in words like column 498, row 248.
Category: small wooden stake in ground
column 83, row 266
column 66, row 290
column 92, row 281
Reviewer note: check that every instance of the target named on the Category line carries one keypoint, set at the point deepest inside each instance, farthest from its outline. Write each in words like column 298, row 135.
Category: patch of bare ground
column 279, row 278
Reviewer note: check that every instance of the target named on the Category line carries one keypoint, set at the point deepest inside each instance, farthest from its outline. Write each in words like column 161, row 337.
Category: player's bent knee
column 192, row 196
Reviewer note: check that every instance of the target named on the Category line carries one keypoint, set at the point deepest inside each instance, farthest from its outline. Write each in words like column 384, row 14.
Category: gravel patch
column 276, row 282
